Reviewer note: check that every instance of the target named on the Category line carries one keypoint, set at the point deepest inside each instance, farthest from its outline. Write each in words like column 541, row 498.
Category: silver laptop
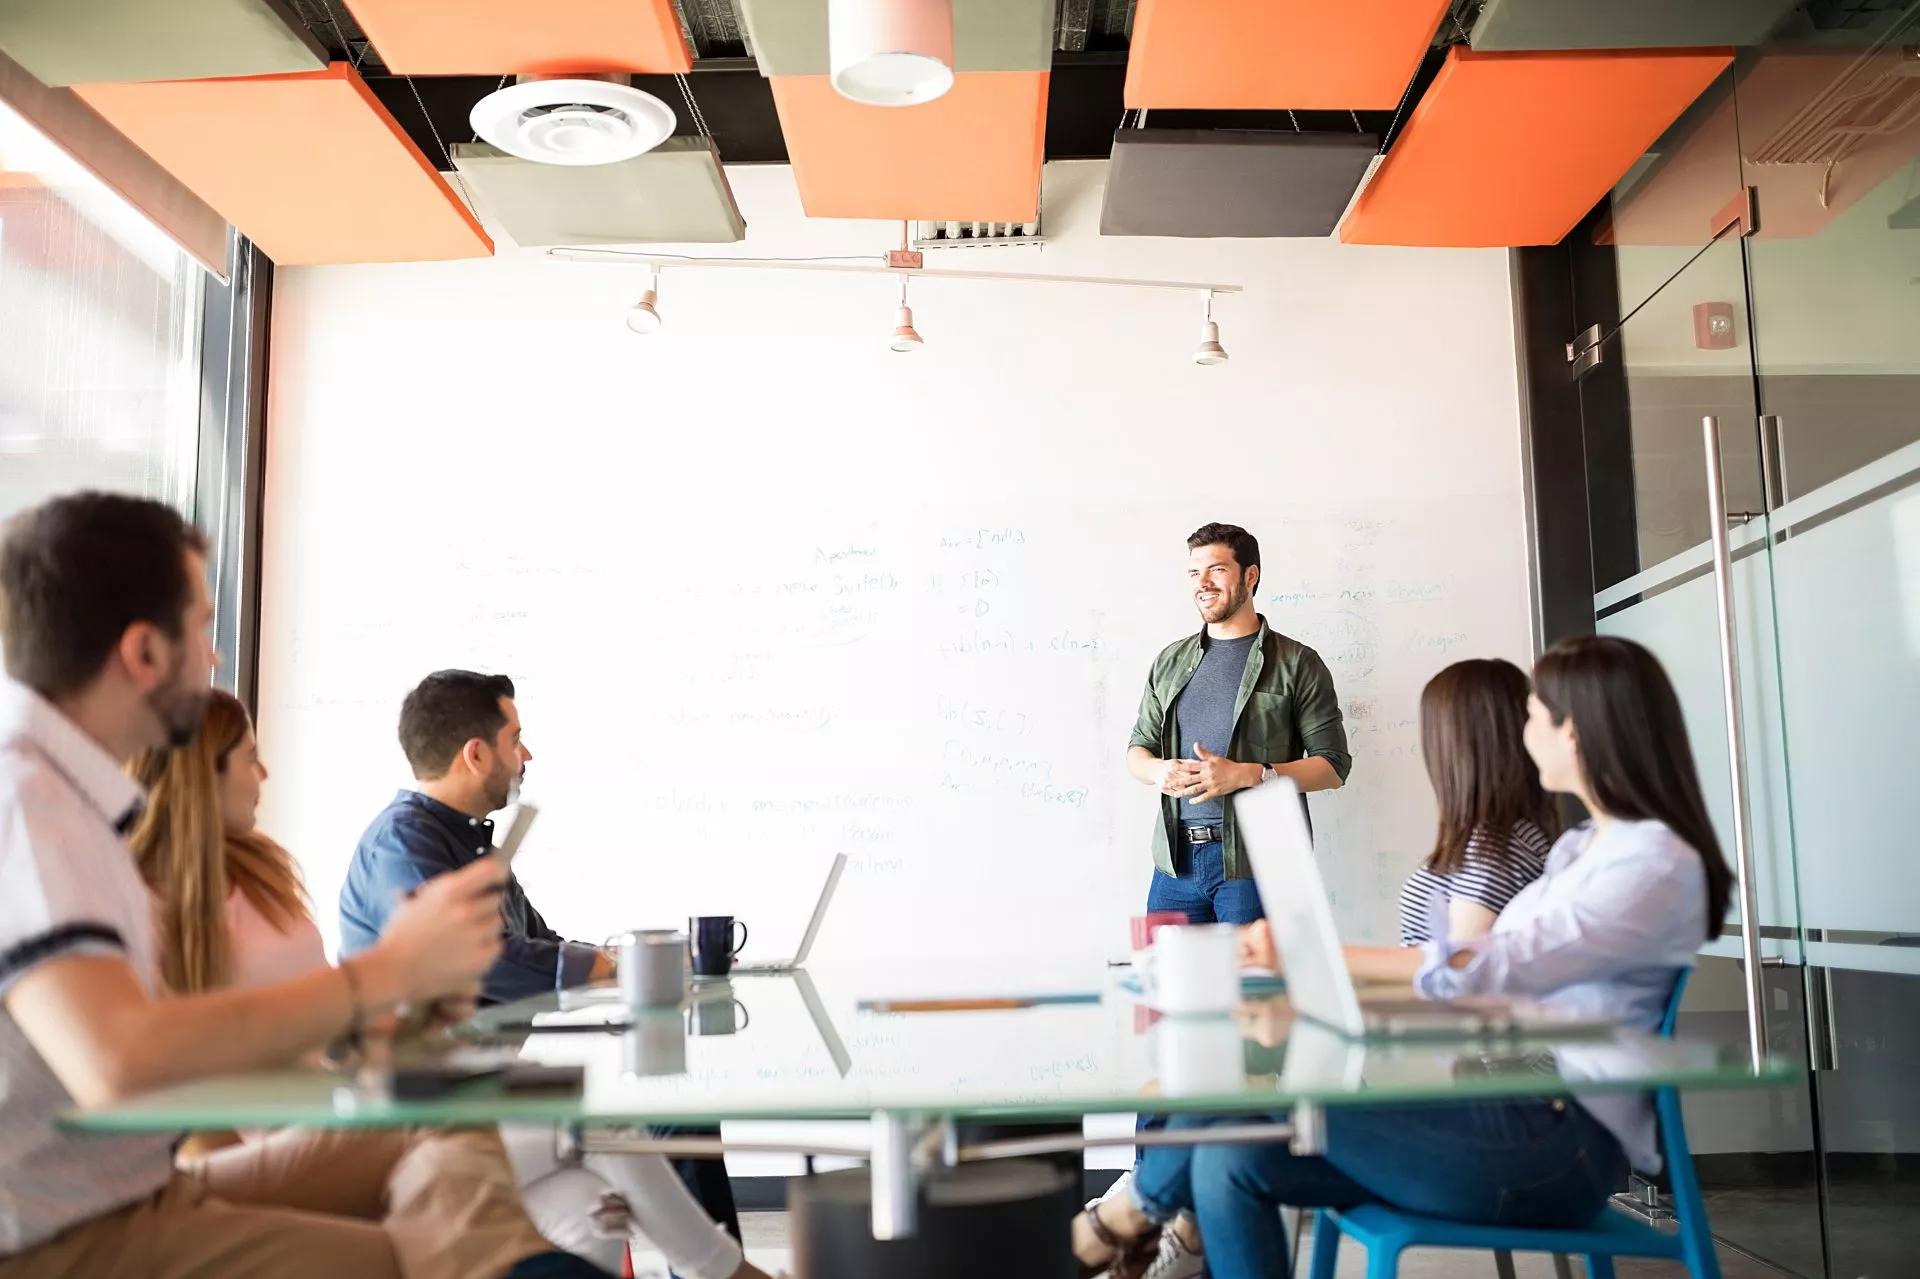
column 813, row 926
column 1273, row 835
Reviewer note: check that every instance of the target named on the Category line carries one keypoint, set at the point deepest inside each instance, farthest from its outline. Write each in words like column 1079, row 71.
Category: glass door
column 1829, row 116
column 1679, row 510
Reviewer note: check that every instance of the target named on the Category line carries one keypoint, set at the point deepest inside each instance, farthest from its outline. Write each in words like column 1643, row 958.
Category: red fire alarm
column 1713, row 326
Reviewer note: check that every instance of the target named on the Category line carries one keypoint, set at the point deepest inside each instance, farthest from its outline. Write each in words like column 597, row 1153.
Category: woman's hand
column 1256, row 946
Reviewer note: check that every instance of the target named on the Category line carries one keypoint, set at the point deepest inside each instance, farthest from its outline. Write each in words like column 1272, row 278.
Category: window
column 99, row 336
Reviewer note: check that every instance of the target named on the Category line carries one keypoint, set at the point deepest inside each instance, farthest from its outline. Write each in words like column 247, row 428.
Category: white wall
column 475, row 463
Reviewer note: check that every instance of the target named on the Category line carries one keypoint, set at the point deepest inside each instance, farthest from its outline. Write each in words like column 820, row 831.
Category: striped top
column 1487, row 875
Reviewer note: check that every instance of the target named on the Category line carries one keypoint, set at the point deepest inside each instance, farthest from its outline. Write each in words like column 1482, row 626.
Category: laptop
column 1273, row 833
column 799, row 959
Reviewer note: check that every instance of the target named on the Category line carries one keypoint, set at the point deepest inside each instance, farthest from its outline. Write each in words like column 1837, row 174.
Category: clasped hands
column 1208, row 777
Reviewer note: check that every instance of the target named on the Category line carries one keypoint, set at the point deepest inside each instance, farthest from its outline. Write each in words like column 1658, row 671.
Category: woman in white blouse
column 233, row 911
column 1625, row 901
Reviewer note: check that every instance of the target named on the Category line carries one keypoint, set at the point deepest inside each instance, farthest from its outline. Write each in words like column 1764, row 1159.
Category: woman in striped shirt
column 1495, row 827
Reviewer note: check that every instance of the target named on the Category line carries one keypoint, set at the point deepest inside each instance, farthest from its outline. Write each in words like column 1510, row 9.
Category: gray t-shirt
column 1204, row 711
column 68, row 887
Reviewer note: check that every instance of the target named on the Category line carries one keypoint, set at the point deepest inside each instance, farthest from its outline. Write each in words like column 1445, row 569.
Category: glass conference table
column 825, row 1045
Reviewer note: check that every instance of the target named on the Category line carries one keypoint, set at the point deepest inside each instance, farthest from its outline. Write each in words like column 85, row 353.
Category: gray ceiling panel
column 63, row 42
column 1515, row 25
column 1201, row 183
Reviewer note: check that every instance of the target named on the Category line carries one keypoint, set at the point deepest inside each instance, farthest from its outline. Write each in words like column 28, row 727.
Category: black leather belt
column 1205, row 834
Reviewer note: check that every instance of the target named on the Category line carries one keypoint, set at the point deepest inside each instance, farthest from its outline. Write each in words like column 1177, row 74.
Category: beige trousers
column 307, row 1203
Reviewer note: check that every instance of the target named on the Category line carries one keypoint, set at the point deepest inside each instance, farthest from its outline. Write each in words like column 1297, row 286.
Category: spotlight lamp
column 905, row 338
column 1209, row 351
column 644, row 315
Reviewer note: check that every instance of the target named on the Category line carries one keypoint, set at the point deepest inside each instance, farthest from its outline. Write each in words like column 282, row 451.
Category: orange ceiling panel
column 973, row 153
column 1513, row 148
column 309, row 166
column 1227, row 55
column 494, row 37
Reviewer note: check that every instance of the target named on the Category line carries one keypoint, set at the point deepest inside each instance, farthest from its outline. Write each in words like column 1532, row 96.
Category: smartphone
column 536, row 1077
column 509, row 845
column 428, row 1081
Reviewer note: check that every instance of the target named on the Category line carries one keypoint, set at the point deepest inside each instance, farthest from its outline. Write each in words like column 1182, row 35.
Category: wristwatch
column 1270, row 772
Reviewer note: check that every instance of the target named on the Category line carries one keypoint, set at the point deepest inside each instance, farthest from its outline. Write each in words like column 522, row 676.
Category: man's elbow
column 1333, row 772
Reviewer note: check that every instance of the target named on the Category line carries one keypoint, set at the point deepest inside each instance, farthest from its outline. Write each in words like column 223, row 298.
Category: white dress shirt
column 1602, row 933
column 68, row 886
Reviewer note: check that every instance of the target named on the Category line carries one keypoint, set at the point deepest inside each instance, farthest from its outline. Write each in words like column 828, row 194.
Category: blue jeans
column 1204, row 893
column 1507, row 1163
column 1206, row 896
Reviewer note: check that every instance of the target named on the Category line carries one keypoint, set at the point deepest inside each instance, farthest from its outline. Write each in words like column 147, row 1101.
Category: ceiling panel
column 1513, row 148
column 676, row 193
column 789, row 37
column 1227, row 55
column 1507, row 25
column 76, row 41
column 1231, row 182
column 495, row 37
column 972, row 154
column 310, row 167
column 1818, row 129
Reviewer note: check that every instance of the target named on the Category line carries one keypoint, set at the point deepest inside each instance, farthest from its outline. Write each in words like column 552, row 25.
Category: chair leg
column 1599, row 1266
column 1503, row 1263
column 1697, row 1251
column 1326, row 1245
column 1383, row 1261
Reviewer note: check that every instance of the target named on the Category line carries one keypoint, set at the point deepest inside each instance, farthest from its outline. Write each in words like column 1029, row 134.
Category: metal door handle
column 1736, row 744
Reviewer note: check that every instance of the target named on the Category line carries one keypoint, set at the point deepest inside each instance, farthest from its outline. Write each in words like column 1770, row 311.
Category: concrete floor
column 766, row 1240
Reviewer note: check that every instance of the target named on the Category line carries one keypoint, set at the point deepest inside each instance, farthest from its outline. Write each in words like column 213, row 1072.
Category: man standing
column 460, row 731
column 1224, row 710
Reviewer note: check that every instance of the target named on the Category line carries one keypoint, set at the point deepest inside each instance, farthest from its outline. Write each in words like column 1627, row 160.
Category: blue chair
column 1387, row 1232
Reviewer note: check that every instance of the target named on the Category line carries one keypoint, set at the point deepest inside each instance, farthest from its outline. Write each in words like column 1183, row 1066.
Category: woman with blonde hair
column 224, row 888
column 234, row 911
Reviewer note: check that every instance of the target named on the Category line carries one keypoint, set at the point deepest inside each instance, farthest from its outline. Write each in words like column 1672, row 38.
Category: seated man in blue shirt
column 460, row 731
column 461, row 734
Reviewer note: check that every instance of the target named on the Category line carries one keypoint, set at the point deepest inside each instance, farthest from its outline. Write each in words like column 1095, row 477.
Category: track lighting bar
column 623, row 257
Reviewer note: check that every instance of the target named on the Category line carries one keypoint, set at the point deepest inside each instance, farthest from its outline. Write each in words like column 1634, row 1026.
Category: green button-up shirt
column 1286, row 710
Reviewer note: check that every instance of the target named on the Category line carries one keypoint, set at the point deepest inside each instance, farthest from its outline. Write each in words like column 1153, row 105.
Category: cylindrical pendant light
column 890, row 53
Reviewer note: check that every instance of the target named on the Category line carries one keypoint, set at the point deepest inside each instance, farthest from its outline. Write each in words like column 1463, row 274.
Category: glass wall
column 1798, row 331
column 99, row 336
column 1830, row 140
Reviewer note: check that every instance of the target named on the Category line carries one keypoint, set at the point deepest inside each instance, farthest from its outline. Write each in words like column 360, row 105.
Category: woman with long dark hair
column 1625, row 901
column 1495, row 820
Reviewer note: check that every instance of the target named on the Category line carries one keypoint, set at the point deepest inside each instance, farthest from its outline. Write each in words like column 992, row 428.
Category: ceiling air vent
column 966, row 235
column 573, row 120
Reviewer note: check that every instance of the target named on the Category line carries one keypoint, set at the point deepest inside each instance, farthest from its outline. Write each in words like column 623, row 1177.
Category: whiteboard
column 770, row 592
column 944, row 692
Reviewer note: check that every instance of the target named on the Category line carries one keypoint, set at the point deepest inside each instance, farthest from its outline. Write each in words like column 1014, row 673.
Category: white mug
column 1195, row 969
